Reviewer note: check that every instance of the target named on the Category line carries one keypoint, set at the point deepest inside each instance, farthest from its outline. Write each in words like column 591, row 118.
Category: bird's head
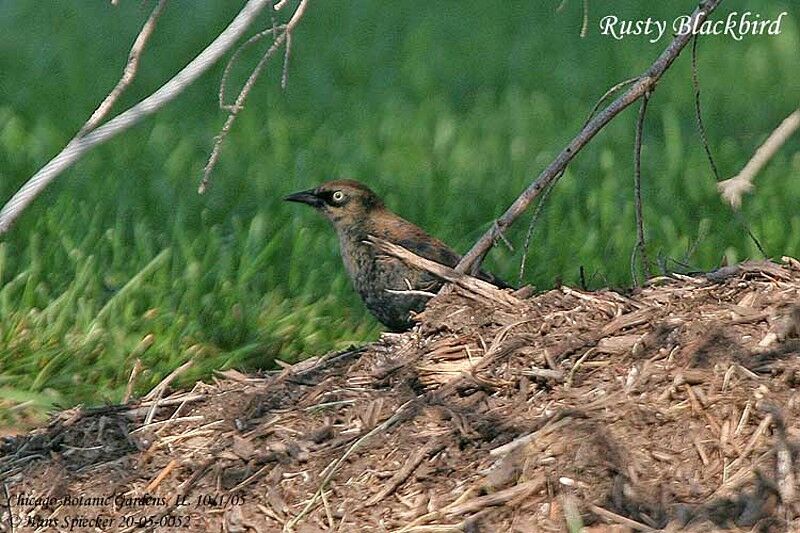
column 344, row 202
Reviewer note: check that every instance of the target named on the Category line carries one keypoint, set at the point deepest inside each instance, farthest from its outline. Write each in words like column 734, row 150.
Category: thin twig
column 576, row 366
column 129, row 73
column 183, row 490
column 158, row 390
column 474, row 286
column 556, row 422
column 534, row 219
column 412, row 292
column 287, row 55
column 167, row 470
column 137, row 367
column 500, row 497
column 78, row 146
column 223, row 84
column 585, row 24
column 233, row 112
column 328, row 512
column 704, row 140
column 608, row 93
column 471, row 261
column 701, row 128
column 702, row 233
column 641, row 247
column 273, row 21
column 619, row 519
column 585, row 19
column 505, row 240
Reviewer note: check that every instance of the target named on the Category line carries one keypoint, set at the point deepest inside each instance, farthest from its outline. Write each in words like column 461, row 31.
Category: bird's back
column 390, row 288
column 400, row 231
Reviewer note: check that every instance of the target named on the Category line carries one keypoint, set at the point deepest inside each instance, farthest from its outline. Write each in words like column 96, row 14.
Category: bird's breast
column 380, row 280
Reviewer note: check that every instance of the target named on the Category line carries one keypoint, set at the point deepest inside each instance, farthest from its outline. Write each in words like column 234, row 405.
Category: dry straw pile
column 674, row 407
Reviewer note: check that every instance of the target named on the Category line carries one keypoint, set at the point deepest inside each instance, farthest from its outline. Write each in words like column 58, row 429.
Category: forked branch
column 646, row 83
column 283, row 35
column 85, row 140
column 129, row 73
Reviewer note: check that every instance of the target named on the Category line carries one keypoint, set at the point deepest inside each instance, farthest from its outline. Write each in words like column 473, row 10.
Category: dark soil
column 674, row 407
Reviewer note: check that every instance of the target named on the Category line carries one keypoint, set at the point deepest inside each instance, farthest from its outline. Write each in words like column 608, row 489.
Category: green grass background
column 447, row 108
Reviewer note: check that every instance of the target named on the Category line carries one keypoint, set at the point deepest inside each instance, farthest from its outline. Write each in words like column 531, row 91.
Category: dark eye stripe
column 326, row 196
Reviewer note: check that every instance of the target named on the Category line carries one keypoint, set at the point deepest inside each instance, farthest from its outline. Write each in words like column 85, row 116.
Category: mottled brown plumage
column 355, row 212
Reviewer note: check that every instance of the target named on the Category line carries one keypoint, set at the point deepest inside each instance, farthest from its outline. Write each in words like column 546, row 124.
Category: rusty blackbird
column 390, row 289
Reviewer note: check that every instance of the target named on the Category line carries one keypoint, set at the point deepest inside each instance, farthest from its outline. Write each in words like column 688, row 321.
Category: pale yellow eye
column 338, row 196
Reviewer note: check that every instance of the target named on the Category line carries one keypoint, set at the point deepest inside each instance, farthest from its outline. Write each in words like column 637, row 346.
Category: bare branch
column 732, row 189
column 128, row 73
column 223, row 85
column 78, row 146
column 640, row 249
column 471, row 261
column 233, row 110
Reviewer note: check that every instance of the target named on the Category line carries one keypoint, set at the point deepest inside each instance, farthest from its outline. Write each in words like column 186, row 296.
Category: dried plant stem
column 137, row 367
column 331, row 470
column 478, row 287
column 158, row 391
column 646, row 83
column 585, row 24
column 401, row 475
column 79, row 145
column 619, row 519
column 501, row 497
column 732, row 189
column 234, row 109
column 223, row 85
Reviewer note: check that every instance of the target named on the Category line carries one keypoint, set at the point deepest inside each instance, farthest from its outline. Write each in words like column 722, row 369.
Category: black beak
column 305, row 197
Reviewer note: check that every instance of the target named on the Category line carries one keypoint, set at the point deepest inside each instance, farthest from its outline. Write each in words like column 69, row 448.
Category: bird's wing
column 432, row 250
column 439, row 252
column 413, row 238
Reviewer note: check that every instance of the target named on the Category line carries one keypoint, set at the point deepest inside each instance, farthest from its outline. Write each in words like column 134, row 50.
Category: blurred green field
column 446, row 108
